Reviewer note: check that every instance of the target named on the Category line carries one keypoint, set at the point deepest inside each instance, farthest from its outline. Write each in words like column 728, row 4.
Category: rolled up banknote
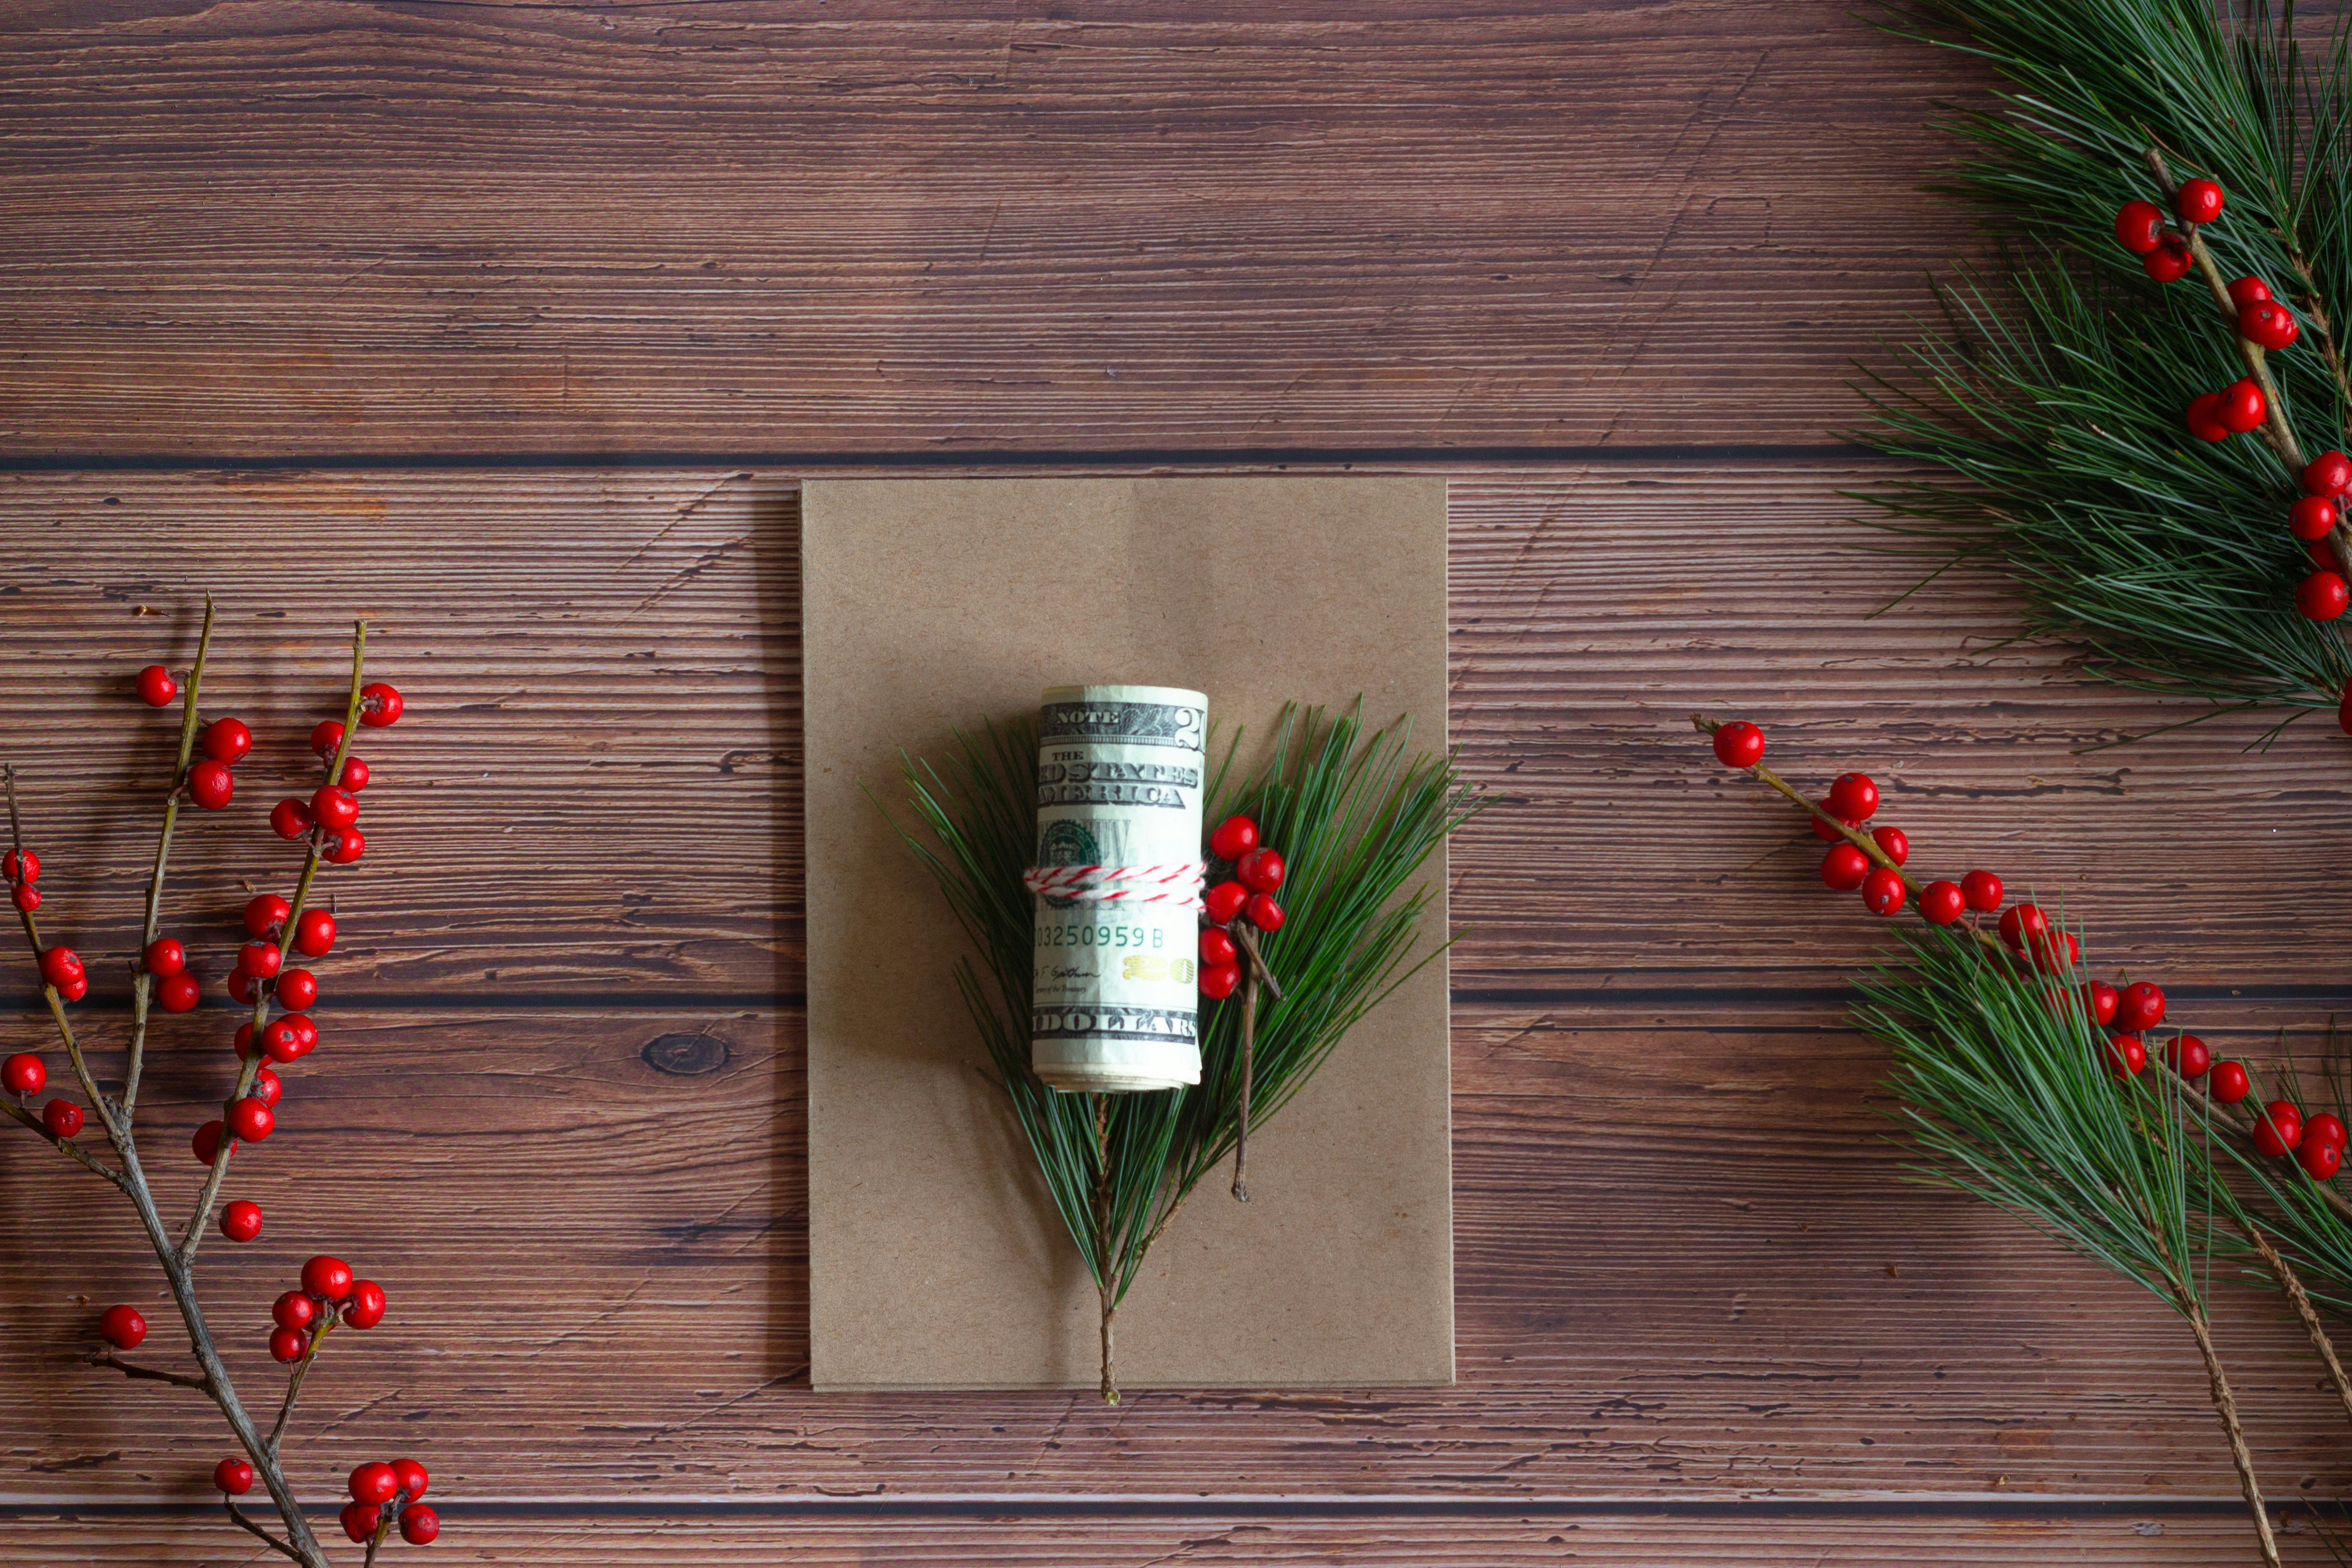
column 1115, row 1005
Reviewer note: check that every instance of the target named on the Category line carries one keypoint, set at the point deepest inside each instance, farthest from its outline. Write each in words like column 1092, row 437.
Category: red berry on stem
column 2198, row 201
column 210, row 784
column 250, row 1120
column 1260, row 871
column 361, row 1519
column 2203, row 417
column 2278, row 1128
column 1893, row 842
column 266, row 915
column 1844, row 867
column 2139, row 1005
column 345, row 847
column 373, row 1482
column 2020, row 920
column 2319, row 1160
column 164, row 958
column 293, row 1309
column 1882, row 890
column 333, row 809
column 1216, row 947
column 25, row 896
column 281, row 1041
column 2231, row 1084
column 1225, row 901
column 226, row 740
column 1265, row 913
column 288, row 1344
column 240, row 988
column 411, row 1477
column 2248, row 290
column 2321, row 596
column 1942, row 902
column 207, row 1145
column 289, row 818
column 2329, row 474
column 325, row 737
column 2189, row 1056
column 20, row 865
column 2327, row 1127
column 179, row 993
column 1739, row 744
column 1234, row 838
column 1825, row 827
column 261, row 960
column 234, row 1476
column 2242, row 406
column 156, row 685
column 379, row 705
column 242, row 1040
column 314, row 934
column 305, row 1033
column 121, row 1327
column 328, row 1277
column 62, row 1118
column 2269, row 324
column 1218, row 982
column 24, row 1073
column 2139, row 226
column 1984, row 891
column 2125, row 1055
column 241, row 1220
column 60, row 966
column 1853, row 797
column 355, row 775
column 419, row 1526
column 267, row 1087
column 365, row 1309
column 297, row 989
column 73, row 990
column 2169, row 262
column 2310, row 517
column 2101, row 999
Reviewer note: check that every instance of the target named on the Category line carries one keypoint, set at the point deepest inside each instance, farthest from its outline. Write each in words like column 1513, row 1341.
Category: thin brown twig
column 294, row 1382
column 105, row 1108
column 1102, row 1241
column 2314, row 1330
column 2225, row 1405
column 148, row 1373
column 142, row 983
column 246, row 1520
column 65, row 1146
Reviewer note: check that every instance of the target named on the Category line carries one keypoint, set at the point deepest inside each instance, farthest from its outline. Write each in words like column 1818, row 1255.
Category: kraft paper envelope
column 936, row 1260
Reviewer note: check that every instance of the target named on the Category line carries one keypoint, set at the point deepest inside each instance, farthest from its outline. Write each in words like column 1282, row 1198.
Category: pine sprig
column 1356, row 815
column 2054, row 394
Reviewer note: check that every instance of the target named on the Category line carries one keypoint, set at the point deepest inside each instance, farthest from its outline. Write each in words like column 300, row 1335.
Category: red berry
column 2248, row 290
column 356, row 775
column 1893, row 842
column 261, row 960
column 1882, row 890
column 25, row 897
column 2329, row 474
column 2198, row 201
column 62, row 1118
column 242, row 1040
column 419, row 1526
column 156, row 685
column 2139, row 1005
column 1739, row 744
column 226, row 740
column 333, row 809
column 1942, row 902
column 1218, row 982
column 1825, row 827
column 121, row 1327
column 240, row 988
column 2327, row 1127
column 2310, row 517
column 24, row 1073
column 2045, row 947
column 1216, row 947
column 293, row 1309
column 60, row 966
column 2101, row 999
column 365, row 1309
column 2270, row 324
column 2278, row 1128
column 289, row 818
column 207, row 1145
column 250, row 1120
column 2319, row 1160
column 411, row 1477
column 379, row 705
column 1265, row 913
column 1853, row 797
column 268, row 1087
column 2139, row 226
column 241, row 1220
column 20, row 865
column 328, row 1277
column 164, row 958
column 266, row 915
column 361, row 1519
column 2189, row 1056
column 325, row 737
column 2169, row 262
column 1844, row 867
column 179, row 993
column 288, row 1344
column 2020, row 920
column 314, row 934
column 297, row 988
column 73, row 990
column 1225, row 901
column 2203, row 417
column 2125, row 1055
column 2231, row 1084
column 234, row 1476
column 2242, row 406
column 373, row 1482
column 2321, row 596
column 1260, row 871
column 281, row 1041
column 1234, row 837
column 345, row 847
column 305, row 1033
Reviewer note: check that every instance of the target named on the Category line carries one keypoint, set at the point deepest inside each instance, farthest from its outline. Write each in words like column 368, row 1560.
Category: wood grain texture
column 303, row 226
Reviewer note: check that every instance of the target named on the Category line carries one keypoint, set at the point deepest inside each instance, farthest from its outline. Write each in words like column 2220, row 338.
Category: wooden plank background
column 514, row 327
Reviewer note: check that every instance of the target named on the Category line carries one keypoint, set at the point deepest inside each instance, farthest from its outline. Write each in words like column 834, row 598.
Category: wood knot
column 685, row 1055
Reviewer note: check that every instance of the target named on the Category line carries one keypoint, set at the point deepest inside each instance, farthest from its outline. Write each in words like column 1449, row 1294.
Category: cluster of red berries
column 331, row 816
column 22, row 869
column 327, row 1287
column 25, row 1075
column 1248, row 892
column 2163, row 252
column 382, row 1492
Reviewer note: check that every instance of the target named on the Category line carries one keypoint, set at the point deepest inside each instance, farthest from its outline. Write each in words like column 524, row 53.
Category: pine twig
column 2316, row 1330
column 2225, row 1405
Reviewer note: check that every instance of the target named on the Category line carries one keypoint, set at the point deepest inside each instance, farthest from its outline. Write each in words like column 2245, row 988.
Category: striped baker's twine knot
column 1178, row 885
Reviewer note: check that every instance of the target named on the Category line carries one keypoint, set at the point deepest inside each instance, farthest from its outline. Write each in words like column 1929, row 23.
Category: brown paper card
column 936, row 1260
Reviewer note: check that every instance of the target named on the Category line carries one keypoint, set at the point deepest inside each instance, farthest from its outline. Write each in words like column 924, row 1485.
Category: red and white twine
column 1178, row 884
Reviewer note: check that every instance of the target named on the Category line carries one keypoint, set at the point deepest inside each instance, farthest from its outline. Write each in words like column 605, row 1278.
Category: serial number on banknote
column 1091, row 935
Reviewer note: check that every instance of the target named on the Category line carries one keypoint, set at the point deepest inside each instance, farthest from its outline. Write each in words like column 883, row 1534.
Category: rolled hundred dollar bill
column 1115, row 1005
